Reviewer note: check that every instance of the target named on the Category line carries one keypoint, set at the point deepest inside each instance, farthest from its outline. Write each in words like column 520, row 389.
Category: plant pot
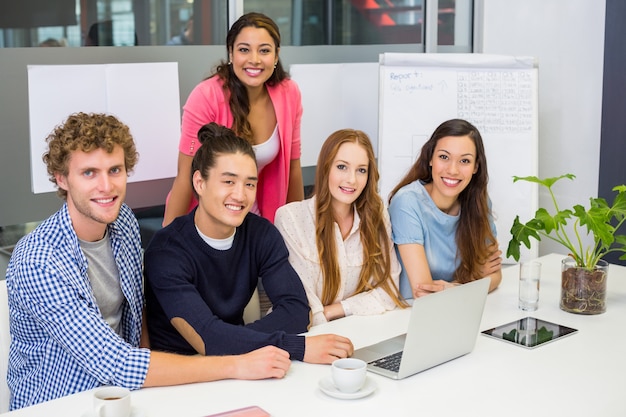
column 583, row 291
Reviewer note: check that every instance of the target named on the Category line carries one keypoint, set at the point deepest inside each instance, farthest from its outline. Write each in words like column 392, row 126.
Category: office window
column 159, row 22
column 344, row 22
column 35, row 13
column 366, row 22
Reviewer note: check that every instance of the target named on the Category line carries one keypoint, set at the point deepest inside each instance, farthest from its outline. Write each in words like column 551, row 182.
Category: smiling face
column 253, row 56
column 453, row 164
column 348, row 175
column 226, row 195
column 96, row 188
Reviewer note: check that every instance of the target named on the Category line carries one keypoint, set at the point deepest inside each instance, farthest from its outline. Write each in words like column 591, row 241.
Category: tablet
column 252, row 411
column 529, row 332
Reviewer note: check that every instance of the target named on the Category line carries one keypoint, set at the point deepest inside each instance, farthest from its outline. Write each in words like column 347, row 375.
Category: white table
column 580, row 375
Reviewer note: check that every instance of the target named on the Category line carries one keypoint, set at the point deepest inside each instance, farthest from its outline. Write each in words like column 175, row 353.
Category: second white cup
column 111, row 402
column 349, row 374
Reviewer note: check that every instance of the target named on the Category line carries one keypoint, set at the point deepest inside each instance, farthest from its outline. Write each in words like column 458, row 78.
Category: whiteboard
column 498, row 94
column 144, row 96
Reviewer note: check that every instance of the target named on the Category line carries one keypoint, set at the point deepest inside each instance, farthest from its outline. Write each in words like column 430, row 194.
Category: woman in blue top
column 441, row 216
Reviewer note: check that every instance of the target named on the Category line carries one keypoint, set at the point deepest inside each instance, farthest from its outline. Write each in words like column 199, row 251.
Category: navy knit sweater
column 210, row 288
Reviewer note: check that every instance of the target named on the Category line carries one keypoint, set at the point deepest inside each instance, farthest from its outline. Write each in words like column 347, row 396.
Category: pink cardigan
column 209, row 103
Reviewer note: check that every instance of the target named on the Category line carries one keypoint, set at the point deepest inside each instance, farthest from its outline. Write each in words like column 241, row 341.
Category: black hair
column 217, row 140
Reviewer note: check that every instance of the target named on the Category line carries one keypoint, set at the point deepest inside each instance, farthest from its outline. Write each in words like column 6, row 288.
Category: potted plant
column 584, row 272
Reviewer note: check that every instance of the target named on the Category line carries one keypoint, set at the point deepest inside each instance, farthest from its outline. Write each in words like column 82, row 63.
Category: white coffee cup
column 348, row 374
column 111, row 402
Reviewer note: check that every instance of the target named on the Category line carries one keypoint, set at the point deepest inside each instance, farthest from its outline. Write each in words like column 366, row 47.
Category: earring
column 230, row 62
column 276, row 63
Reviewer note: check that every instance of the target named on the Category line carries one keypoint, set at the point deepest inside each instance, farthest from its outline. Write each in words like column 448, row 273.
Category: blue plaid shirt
column 60, row 343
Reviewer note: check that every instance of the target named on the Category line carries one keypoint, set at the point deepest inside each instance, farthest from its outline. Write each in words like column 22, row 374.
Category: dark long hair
column 473, row 236
column 376, row 270
column 238, row 95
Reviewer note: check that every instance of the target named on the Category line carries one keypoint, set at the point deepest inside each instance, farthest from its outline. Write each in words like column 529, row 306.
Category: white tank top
column 265, row 153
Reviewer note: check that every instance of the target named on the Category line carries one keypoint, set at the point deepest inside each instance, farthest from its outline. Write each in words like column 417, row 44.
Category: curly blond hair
column 87, row 132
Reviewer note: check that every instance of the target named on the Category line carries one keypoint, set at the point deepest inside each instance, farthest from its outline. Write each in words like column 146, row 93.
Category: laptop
column 442, row 327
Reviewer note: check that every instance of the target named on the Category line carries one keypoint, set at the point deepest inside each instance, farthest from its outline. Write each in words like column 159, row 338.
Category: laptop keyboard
column 389, row 362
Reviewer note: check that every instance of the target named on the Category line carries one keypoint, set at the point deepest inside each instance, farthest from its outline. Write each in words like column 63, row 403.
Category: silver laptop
column 442, row 327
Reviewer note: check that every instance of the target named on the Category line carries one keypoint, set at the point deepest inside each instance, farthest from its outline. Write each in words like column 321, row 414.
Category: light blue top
column 416, row 219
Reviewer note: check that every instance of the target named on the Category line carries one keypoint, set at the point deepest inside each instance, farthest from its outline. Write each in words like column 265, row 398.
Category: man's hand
column 326, row 348
column 266, row 362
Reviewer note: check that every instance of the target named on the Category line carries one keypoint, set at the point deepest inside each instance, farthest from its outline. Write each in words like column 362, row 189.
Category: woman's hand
column 334, row 311
column 493, row 263
column 492, row 268
column 420, row 290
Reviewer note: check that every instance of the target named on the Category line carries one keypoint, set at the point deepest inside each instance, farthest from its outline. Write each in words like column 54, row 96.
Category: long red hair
column 376, row 271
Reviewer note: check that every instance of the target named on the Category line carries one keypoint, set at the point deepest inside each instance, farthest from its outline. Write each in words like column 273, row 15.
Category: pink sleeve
column 206, row 103
column 296, row 103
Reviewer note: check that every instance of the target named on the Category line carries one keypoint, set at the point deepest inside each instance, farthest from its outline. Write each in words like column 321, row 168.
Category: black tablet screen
column 529, row 332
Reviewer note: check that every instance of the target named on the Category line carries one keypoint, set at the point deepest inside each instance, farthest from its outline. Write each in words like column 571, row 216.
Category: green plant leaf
column 601, row 221
column 621, row 239
column 619, row 203
column 521, row 233
column 546, row 182
column 512, row 251
column 549, row 222
column 620, row 188
column 597, row 222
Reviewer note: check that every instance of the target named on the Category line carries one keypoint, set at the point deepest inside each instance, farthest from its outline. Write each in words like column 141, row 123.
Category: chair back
column 5, row 339
column 252, row 312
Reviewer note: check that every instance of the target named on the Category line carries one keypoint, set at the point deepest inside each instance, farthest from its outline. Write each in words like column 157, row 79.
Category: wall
column 567, row 38
column 19, row 205
column 613, row 149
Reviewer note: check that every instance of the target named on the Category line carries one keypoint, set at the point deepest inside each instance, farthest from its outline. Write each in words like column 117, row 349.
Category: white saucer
column 134, row 412
column 327, row 387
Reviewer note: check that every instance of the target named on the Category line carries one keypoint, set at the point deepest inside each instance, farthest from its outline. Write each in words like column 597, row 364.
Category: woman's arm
column 416, row 265
column 296, row 186
column 375, row 301
column 493, row 268
column 298, row 231
column 206, row 103
column 180, row 196
column 334, row 311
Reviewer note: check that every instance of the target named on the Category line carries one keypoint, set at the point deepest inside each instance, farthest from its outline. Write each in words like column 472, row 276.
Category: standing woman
column 441, row 215
column 253, row 95
column 339, row 240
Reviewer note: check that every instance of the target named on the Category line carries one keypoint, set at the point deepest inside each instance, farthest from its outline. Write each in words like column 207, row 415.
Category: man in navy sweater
column 202, row 269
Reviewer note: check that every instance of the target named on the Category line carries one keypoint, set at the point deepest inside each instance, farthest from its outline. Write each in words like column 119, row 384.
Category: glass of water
column 529, row 277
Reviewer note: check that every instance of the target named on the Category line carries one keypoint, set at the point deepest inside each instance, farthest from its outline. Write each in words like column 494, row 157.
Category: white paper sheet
column 145, row 96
